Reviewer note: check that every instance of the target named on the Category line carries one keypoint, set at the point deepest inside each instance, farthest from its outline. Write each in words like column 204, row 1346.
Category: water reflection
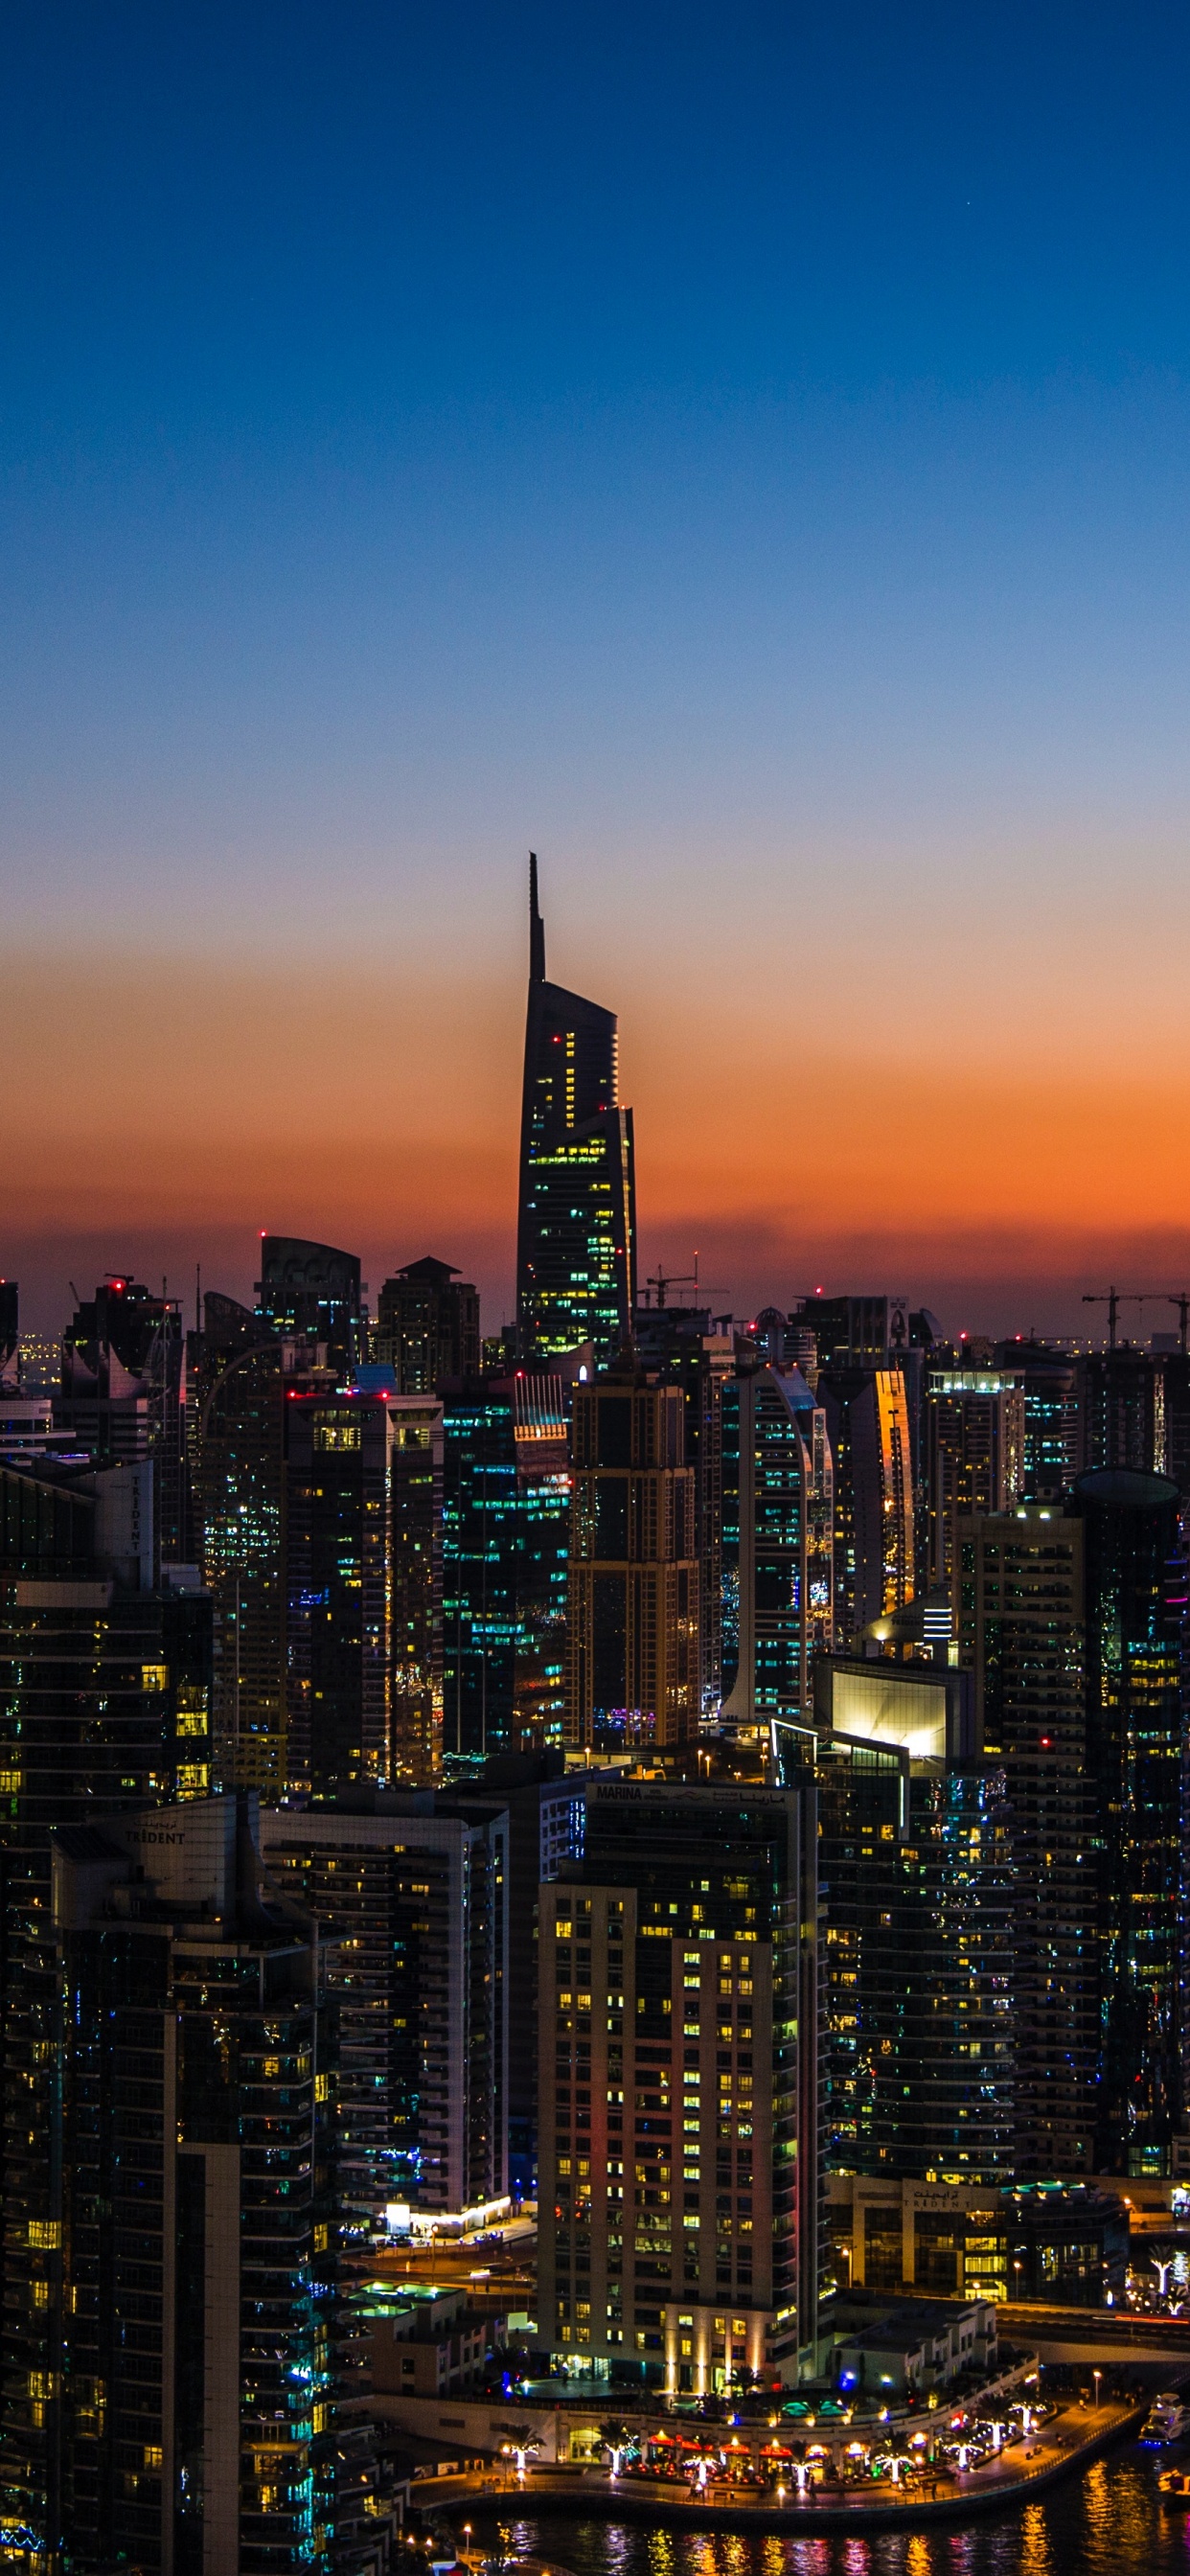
column 1108, row 2523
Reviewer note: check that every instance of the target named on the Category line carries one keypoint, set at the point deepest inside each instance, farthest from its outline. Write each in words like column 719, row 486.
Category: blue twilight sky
column 742, row 453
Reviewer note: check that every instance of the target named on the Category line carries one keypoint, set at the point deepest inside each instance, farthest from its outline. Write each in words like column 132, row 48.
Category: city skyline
column 988, row 1279
column 749, row 473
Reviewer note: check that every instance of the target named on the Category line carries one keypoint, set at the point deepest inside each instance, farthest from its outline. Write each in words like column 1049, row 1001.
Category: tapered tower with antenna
column 576, row 1229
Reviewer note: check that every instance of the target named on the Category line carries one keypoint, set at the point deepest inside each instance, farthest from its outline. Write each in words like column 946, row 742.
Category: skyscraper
column 917, row 1911
column 427, row 1326
column 1049, row 1377
column 1022, row 1635
column 237, row 1369
column 778, row 1554
column 361, row 1548
column 123, row 1395
column 974, row 1453
column 506, row 1509
column 632, row 1629
column 416, row 1904
column 1135, row 1572
column 678, row 2194
column 183, row 2251
column 1073, row 1627
column 104, row 1705
column 576, row 1229
column 882, row 1497
column 311, row 1292
column 681, row 1345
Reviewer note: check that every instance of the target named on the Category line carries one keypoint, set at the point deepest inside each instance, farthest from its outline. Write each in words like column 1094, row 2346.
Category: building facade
column 778, row 1550
column 1022, row 1636
column 633, row 1629
column 974, row 1454
column 576, row 1231
column 506, row 1514
column 918, row 1900
column 361, row 1552
column 1135, row 1603
column 414, row 1906
column 427, row 1326
column 882, row 1490
column 678, row 2038
column 183, row 2253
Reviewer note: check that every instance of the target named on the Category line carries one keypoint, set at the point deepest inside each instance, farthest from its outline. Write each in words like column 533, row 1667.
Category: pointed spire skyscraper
column 576, row 1232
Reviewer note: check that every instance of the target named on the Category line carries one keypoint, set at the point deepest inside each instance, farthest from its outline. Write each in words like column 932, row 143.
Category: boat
column 1166, row 2420
column 1173, row 2487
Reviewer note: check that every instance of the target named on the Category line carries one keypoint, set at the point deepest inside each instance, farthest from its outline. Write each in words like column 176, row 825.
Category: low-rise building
column 429, row 2343
column 913, row 2346
column 1065, row 2243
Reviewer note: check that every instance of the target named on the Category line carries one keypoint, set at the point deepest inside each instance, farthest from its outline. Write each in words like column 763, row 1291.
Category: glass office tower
column 577, row 1216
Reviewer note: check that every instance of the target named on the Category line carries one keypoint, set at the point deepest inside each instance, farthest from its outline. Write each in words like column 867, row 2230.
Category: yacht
column 1166, row 2419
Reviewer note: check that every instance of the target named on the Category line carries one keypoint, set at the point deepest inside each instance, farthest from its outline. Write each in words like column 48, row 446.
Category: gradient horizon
column 746, row 463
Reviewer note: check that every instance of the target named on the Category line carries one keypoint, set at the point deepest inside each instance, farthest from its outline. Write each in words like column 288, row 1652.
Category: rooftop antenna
column 536, row 927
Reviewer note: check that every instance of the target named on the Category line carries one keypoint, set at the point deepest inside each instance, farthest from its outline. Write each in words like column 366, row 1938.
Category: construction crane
column 662, row 1280
column 1142, row 1297
column 1182, row 1302
column 1113, row 1299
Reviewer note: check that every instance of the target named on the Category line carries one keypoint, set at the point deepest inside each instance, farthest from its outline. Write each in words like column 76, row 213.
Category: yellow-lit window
column 154, row 1677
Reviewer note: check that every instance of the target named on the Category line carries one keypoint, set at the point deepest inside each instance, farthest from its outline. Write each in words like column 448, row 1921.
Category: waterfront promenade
column 1023, row 2467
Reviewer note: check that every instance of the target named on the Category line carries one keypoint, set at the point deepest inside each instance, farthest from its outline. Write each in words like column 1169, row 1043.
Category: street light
column 1097, row 2376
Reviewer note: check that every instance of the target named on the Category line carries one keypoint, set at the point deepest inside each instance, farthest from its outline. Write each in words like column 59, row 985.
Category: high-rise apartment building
column 1122, row 1409
column 688, row 1347
column 918, row 1906
column 633, row 1633
column 1049, row 1378
column 974, row 1454
column 778, row 1548
column 427, row 1326
column 105, row 1686
column 882, row 1497
column 414, row 1906
column 678, row 2053
column 1021, row 1633
column 576, row 1231
column 123, row 1396
column 1135, row 1607
column 173, row 2353
column 545, row 1811
column 361, row 1553
column 311, row 1292
column 238, row 1375
column 1073, row 1628
column 506, row 1512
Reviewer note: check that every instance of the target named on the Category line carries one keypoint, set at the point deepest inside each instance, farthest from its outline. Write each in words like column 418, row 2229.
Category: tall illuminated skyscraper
column 632, row 1622
column 882, row 1490
column 576, row 1227
column 777, row 1545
